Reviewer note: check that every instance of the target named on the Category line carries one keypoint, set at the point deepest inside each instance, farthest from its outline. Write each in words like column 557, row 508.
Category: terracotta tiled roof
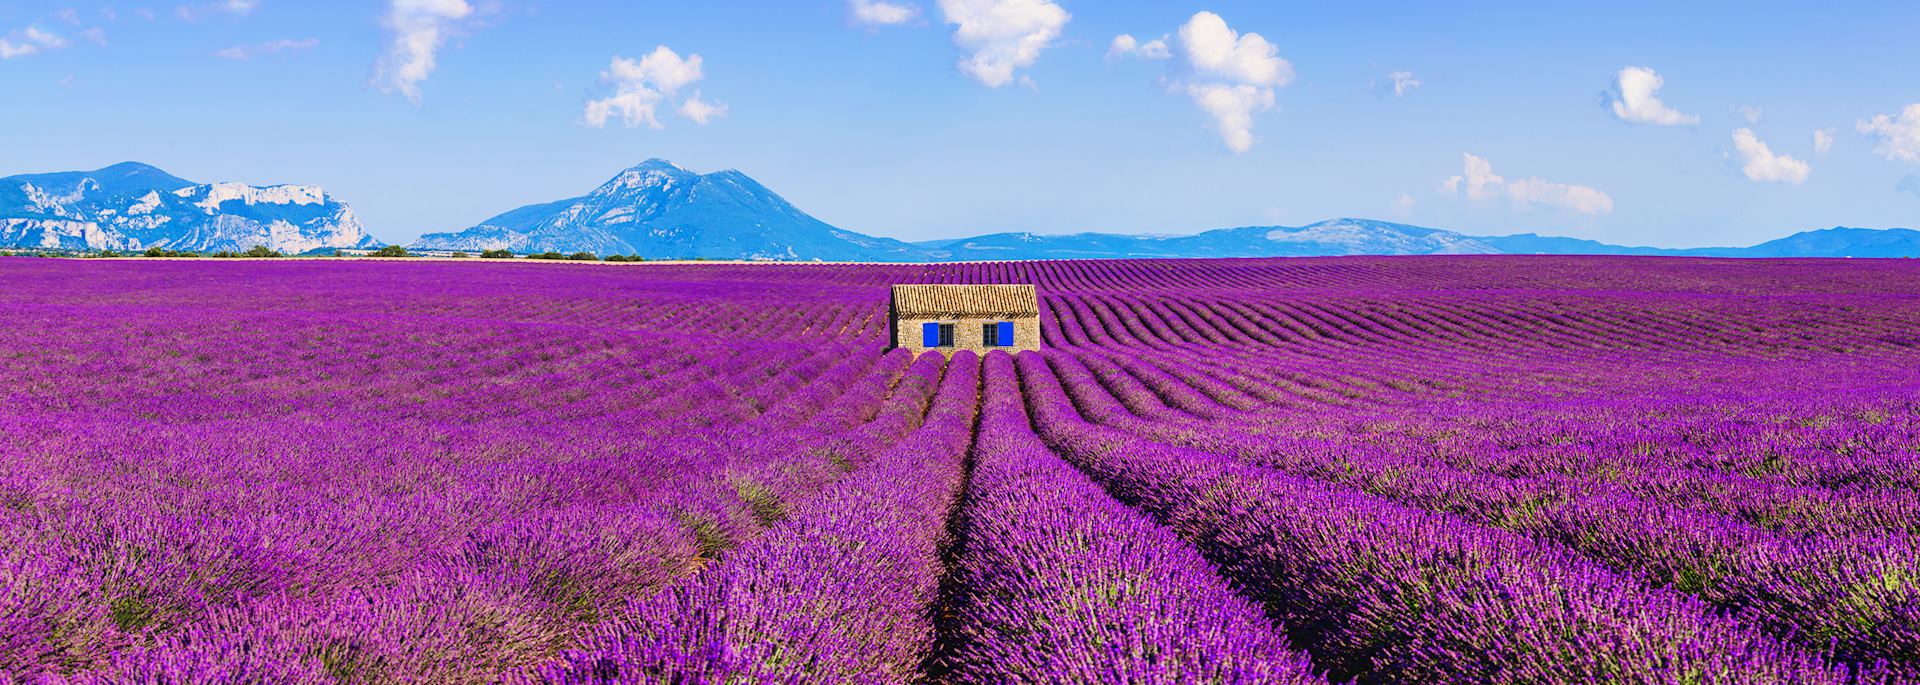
column 964, row 300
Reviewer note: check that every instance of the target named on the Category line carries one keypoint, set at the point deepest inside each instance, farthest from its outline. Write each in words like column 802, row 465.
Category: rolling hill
column 658, row 210
column 133, row 206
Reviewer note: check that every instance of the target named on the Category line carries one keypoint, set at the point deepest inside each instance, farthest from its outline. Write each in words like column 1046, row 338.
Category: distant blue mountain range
column 659, row 210
column 1838, row 241
column 133, row 206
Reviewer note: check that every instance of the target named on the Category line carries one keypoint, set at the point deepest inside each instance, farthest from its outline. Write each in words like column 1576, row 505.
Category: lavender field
column 1383, row 470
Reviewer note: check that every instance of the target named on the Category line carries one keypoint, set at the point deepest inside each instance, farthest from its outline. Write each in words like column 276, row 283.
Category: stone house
column 946, row 318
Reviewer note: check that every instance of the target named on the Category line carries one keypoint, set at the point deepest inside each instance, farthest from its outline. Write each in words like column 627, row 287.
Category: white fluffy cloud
column 29, row 41
column 247, row 52
column 1403, row 81
column 1233, row 75
column 1232, row 108
column 701, row 111
column 640, row 85
column 1899, row 135
column 1823, row 141
column 1215, row 50
column 1402, row 206
column 1634, row 100
column 1482, row 184
column 1125, row 45
column 1762, row 164
column 1230, row 75
column 44, row 38
column 1002, row 35
column 882, row 12
column 419, row 28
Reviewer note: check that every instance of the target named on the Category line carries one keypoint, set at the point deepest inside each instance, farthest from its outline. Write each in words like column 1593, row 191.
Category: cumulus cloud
column 1001, row 36
column 44, row 38
column 641, row 85
column 1232, row 109
column 882, row 12
column 1898, row 135
column 247, row 52
column 1763, row 165
column 1216, row 50
column 1231, row 75
column 1634, row 100
column 1125, row 45
column 1750, row 113
column 29, row 41
column 1482, row 184
column 1403, row 81
column 701, row 111
column 419, row 28
column 1823, row 141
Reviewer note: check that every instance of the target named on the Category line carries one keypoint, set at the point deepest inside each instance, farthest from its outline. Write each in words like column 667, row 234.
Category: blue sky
column 932, row 118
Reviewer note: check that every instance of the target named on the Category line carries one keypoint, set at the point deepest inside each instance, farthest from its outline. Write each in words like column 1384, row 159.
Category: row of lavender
column 1375, row 588
column 1789, row 505
column 709, row 474
column 244, row 483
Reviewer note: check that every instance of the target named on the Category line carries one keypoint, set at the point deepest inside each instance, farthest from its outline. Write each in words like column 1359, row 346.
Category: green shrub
column 225, row 254
column 584, row 257
column 459, row 255
column 391, row 251
column 496, row 254
column 262, row 251
column 546, row 255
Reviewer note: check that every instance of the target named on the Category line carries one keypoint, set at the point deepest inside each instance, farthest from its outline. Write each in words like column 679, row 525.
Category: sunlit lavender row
column 1383, row 470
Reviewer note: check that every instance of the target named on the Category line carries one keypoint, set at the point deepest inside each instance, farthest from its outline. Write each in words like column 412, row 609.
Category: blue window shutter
column 1006, row 334
column 929, row 335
